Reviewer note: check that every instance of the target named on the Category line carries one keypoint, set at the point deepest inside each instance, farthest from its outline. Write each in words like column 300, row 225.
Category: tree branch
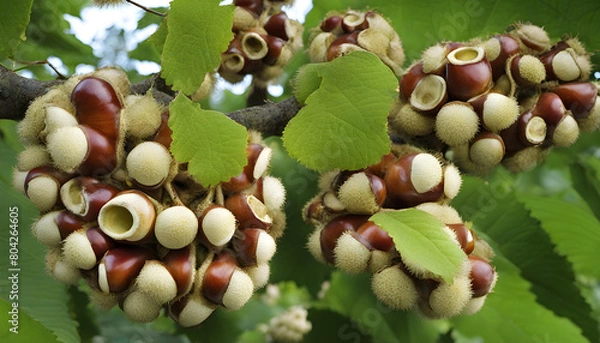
column 17, row 92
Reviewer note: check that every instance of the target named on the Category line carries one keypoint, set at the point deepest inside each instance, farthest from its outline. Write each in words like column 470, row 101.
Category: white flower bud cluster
column 290, row 326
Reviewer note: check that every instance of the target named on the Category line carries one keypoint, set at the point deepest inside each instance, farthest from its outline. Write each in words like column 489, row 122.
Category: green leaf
column 159, row 37
column 198, row 32
column 587, row 184
column 511, row 314
column 14, row 18
column 344, row 122
column 254, row 336
column 150, row 18
column 48, row 35
column 574, row 230
column 214, row 145
column 301, row 186
column 519, row 238
column 115, row 327
column 80, row 309
column 420, row 239
column 330, row 326
column 351, row 296
column 40, row 297
column 24, row 329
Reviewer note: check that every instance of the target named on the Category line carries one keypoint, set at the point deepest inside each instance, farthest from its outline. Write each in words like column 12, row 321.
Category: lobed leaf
column 344, row 121
column 214, row 145
column 198, row 32
column 420, row 239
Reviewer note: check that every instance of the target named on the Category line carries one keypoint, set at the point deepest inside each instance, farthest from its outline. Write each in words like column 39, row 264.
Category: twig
column 17, row 92
column 42, row 62
column 147, row 9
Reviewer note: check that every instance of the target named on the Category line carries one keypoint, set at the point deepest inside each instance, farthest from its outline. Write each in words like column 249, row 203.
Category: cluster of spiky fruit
column 265, row 40
column 346, row 238
column 507, row 99
column 117, row 210
column 344, row 32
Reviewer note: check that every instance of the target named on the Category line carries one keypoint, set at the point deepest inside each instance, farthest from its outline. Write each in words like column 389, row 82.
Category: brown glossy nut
column 465, row 237
column 531, row 130
column 249, row 211
column 412, row 180
column 410, row 79
column 255, row 6
column 163, row 134
column 120, row 266
column 181, row 264
column 560, row 63
column 258, row 157
column 577, row 97
column 526, row 70
column 380, row 168
column 98, row 106
column 42, row 185
column 224, row 283
column 275, row 25
column 82, row 149
column 549, row 107
column 375, row 236
column 253, row 247
column 468, row 73
column 191, row 310
column 482, row 276
column 334, row 229
column 51, row 228
column 331, row 23
column 362, row 193
column 85, row 196
column 84, row 248
column 275, row 45
column 498, row 49
column 335, row 49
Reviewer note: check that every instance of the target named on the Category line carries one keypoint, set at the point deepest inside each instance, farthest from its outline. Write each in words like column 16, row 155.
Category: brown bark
column 17, row 92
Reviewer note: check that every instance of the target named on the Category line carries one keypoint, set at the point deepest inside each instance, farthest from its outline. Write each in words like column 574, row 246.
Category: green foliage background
column 544, row 224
